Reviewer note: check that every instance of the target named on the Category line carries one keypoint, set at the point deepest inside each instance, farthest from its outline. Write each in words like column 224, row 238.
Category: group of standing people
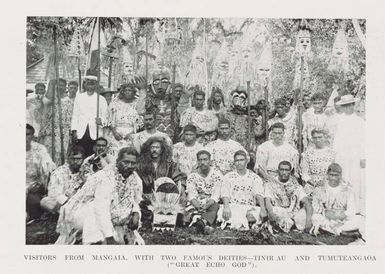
column 225, row 164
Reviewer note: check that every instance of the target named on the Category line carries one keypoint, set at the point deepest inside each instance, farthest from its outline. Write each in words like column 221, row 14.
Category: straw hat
column 347, row 99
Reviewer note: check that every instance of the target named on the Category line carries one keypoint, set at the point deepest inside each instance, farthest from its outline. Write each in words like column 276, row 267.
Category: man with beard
column 155, row 161
column 84, row 121
column 65, row 181
column 216, row 102
column 203, row 189
column 150, row 130
column 242, row 193
column 100, row 159
column 286, row 117
column 107, row 206
column 38, row 168
column 286, row 201
column 203, row 119
column 222, row 150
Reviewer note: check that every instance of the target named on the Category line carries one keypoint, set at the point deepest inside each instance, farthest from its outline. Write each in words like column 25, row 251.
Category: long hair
column 145, row 161
column 214, row 91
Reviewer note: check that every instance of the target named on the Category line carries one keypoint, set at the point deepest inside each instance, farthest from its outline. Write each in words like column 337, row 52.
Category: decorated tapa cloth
column 314, row 165
column 269, row 156
column 165, row 205
column 124, row 118
column 286, row 198
column 222, row 154
column 101, row 209
column 45, row 135
column 186, row 156
column 329, row 201
column 239, row 127
column 205, row 120
column 38, row 166
column 241, row 191
column 203, row 189
column 62, row 186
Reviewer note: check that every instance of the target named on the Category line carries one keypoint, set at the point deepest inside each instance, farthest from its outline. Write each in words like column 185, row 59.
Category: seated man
column 203, row 190
column 155, row 161
column 100, row 159
column 65, row 181
column 334, row 205
column 38, row 168
column 241, row 191
column 286, row 201
column 107, row 206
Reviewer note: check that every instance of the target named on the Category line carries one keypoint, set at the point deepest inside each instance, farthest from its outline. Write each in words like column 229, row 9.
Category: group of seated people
column 104, row 198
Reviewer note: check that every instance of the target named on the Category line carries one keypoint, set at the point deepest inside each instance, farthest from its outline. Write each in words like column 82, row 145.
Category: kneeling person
column 203, row 191
column 286, row 200
column 240, row 192
column 65, row 181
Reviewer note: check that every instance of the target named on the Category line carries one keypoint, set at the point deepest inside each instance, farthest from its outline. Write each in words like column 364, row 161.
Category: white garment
column 349, row 144
column 84, row 113
column 222, row 154
column 268, row 156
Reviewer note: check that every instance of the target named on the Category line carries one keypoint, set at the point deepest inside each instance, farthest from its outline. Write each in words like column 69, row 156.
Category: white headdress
column 340, row 54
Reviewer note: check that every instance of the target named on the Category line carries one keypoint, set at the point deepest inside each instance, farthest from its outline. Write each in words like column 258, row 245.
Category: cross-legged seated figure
column 107, row 206
column 203, row 191
column 334, row 205
column 65, row 181
column 242, row 195
column 286, row 201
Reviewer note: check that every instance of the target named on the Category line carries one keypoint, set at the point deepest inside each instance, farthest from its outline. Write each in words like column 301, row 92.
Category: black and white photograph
column 195, row 131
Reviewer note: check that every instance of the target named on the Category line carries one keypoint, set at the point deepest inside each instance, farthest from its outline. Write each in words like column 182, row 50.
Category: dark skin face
column 90, row 86
column 240, row 162
column 100, row 147
column 318, row 105
column 155, row 150
column 75, row 161
column 284, row 173
column 306, row 102
column 318, row 140
column 281, row 110
column 149, row 121
column 178, row 92
column 127, row 164
column 217, row 99
column 128, row 94
column 224, row 131
column 334, row 178
column 72, row 90
column 204, row 162
column 190, row 137
column 40, row 90
column 199, row 101
column 277, row 135
column 61, row 88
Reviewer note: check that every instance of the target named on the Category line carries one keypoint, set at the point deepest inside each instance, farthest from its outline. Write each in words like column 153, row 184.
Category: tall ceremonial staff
column 248, row 116
column 55, row 92
column 98, row 80
column 265, row 114
column 299, row 106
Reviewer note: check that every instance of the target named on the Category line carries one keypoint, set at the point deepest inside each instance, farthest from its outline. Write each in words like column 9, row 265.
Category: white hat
column 90, row 77
column 347, row 99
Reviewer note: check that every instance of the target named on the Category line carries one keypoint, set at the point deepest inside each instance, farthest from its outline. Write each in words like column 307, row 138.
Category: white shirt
column 84, row 113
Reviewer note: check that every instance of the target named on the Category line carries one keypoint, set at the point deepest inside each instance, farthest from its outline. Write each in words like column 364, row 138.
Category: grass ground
column 42, row 232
